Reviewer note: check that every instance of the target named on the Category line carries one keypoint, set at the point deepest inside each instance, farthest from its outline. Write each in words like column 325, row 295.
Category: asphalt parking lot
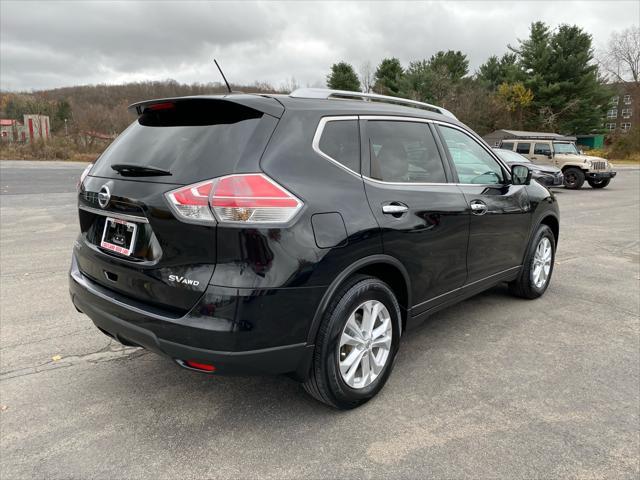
column 493, row 387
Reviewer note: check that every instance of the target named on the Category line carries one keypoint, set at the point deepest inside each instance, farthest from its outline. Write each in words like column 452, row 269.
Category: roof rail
column 347, row 95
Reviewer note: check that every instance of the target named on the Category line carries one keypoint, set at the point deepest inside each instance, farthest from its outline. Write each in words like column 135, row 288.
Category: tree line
column 550, row 81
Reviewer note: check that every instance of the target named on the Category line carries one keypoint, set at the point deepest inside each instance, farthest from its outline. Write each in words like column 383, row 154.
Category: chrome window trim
column 121, row 216
column 404, row 118
column 486, row 148
column 315, row 144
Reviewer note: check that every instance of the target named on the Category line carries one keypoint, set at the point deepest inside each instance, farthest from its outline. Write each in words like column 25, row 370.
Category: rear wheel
column 599, row 182
column 356, row 344
column 573, row 178
column 535, row 275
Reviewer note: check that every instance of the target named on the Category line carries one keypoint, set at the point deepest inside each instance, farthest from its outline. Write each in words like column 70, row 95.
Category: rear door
column 131, row 240
column 423, row 217
column 542, row 154
column 524, row 148
column 500, row 212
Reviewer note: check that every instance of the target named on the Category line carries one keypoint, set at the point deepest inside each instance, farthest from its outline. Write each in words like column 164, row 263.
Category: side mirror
column 520, row 175
column 550, row 154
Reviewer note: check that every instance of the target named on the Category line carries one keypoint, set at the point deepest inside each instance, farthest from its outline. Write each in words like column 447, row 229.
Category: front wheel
column 573, row 178
column 535, row 275
column 599, row 182
column 356, row 344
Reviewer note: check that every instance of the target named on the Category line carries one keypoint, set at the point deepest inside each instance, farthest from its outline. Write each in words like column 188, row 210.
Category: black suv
column 299, row 234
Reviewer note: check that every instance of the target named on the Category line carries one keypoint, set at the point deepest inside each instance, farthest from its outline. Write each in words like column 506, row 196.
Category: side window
column 404, row 152
column 472, row 162
column 507, row 146
column 541, row 149
column 340, row 140
column 523, row 148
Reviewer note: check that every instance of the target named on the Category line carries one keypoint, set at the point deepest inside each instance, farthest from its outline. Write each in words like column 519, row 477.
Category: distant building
column 494, row 138
column 623, row 111
column 33, row 127
column 593, row 140
column 8, row 128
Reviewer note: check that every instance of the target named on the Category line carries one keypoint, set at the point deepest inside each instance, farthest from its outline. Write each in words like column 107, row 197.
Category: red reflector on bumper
column 200, row 366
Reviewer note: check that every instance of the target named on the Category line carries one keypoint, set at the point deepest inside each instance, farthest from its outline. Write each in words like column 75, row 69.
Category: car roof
column 275, row 104
column 334, row 106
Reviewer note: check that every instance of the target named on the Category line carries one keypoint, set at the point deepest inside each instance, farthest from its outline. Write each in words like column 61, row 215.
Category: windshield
column 565, row 148
column 510, row 156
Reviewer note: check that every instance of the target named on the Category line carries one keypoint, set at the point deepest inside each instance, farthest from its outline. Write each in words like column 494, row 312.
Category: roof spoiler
column 347, row 95
column 262, row 104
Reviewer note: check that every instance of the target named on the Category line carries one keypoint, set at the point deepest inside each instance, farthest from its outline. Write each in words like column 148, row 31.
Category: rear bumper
column 600, row 175
column 199, row 335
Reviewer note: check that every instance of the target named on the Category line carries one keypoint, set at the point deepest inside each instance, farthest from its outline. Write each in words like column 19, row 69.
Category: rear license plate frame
column 126, row 249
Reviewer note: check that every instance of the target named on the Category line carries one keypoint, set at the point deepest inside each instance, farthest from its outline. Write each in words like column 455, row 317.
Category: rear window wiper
column 130, row 170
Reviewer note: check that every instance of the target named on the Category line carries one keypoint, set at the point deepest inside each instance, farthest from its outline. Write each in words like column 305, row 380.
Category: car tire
column 599, row 183
column 330, row 381
column 537, row 261
column 573, row 178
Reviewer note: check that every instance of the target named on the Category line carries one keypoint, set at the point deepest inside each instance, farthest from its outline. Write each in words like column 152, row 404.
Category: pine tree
column 558, row 67
column 343, row 77
column 389, row 76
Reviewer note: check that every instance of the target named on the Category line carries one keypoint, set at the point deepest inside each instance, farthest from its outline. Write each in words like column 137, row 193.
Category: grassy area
column 627, row 161
column 57, row 148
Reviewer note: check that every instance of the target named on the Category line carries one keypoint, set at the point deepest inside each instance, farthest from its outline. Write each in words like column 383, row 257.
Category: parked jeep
column 575, row 166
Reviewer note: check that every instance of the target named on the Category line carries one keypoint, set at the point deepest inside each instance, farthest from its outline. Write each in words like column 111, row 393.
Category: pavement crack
column 112, row 351
column 13, row 345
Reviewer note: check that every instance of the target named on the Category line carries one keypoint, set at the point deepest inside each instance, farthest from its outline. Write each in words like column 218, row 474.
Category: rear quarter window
column 340, row 141
column 523, row 148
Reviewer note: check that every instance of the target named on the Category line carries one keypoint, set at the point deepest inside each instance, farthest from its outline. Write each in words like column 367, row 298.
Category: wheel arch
column 386, row 268
column 553, row 223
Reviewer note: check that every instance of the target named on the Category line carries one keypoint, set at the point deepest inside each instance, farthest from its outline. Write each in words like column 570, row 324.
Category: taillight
column 191, row 203
column 83, row 175
column 243, row 198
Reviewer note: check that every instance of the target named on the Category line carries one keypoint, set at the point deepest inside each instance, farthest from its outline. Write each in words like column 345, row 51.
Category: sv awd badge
column 183, row 280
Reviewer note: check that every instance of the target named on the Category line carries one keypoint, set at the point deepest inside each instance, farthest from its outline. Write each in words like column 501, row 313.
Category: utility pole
column 66, row 132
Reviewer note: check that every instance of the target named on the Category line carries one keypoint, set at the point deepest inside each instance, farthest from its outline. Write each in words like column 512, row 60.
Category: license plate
column 119, row 236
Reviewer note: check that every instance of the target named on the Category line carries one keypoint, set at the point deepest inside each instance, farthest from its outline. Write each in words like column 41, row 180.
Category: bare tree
column 289, row 85
column 621, row 59
column 366, row 76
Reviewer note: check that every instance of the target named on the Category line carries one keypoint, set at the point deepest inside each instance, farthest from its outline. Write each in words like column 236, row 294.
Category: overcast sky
column 56, row 43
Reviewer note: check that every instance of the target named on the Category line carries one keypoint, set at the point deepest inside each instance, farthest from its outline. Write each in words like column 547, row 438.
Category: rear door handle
column 478, row 207
column 395, row 208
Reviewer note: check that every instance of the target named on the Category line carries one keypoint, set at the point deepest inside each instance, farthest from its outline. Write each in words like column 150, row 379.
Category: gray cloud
column 51, row 44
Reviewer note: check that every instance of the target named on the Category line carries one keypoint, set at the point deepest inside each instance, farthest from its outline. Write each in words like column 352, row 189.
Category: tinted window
column 472, row 162
column 523, row 148
column 541, row 149
column 340, row 141
column 194, row 140
column 507, row 145
column 404, row 152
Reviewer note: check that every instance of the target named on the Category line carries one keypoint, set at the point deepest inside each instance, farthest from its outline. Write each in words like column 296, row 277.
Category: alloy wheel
column 365, row 344
column 542, row 263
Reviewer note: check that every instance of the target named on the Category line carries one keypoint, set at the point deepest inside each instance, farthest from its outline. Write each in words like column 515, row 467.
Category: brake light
column 161, row 106
column 242, row 198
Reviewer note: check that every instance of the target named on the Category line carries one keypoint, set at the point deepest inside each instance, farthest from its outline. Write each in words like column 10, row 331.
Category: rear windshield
column 193, row 140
